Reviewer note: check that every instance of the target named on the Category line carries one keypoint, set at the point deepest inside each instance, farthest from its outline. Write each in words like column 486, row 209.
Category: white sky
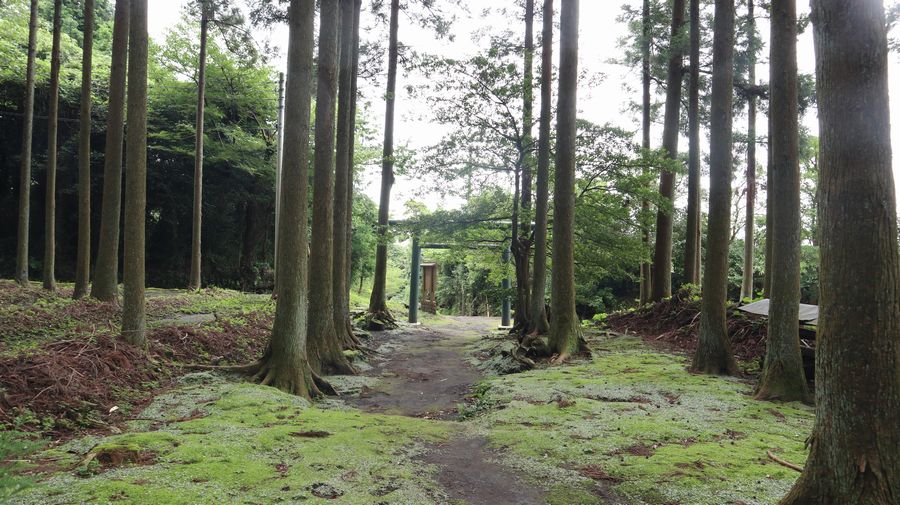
column 598, row 44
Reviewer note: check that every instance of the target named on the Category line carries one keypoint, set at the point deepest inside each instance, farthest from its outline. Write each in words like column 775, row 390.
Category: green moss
column 668, row 435
column 254, row 444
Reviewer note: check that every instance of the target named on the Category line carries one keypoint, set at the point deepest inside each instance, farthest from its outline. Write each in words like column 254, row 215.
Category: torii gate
column 414, row 279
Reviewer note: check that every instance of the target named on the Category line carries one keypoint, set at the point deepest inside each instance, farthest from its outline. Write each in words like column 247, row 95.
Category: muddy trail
column 424, row 373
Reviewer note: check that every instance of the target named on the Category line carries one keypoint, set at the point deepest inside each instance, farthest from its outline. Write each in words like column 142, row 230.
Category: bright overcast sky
column 598, row 44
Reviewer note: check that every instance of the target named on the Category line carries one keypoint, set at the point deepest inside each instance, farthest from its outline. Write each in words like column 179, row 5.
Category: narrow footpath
column 424, row 374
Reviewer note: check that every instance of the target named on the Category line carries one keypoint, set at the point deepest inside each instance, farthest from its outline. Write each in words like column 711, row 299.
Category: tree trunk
column 195, row 281
column 566, row 336
column 83, row 258
column 770, row 191
column 322, row 346
column 782, row 376
column 357, row 9
column 714, row 350
column 25, row 162
column 692, row 236
column 278, row 163
column 853, row 447
column 253, row 235
column 521, row 246
column 133, row 309
column 52, row 126
column 539, row 323
column 747, row 281
column 378, row 312
column 661, row 285
column 343, row 180
column 645, row 144
column 284, row 364
column 106, row 272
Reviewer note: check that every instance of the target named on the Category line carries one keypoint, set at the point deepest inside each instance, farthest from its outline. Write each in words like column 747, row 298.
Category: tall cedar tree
column 645, row 139
column 354, row 93
column 379, row 316
column 566, row 337
column 194, row 282
column 783, row 377
column 284, row 364
column 83, row 257
column 853, row 448
column 106, row 271
column 692, row 236
column 324, row 351
column 343, row 178
column 521, row 233
column 133, row 309
column 52, row 133
column 661, row 284
column 713, row 353
column 25, row 162
column 747, row 280
column 539, row 323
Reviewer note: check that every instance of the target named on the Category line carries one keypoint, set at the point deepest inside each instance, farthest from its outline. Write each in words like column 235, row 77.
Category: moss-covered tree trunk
column 853, row 448
column 133, row 309
column 83, row 256
column 521, row 241
column 322, row 346
column 195, row 282
column 714, row 353
column 379, row 317
column 25, row 162
column 645, row 142
column 106, row 271
column 539, row 323
column 52, row 132
column 284, row 364
column 767, row 275
column 783, row 377
column 661, row 285
column 750, row 213
column 566, row 337
column 343, row 179
column 692, row 235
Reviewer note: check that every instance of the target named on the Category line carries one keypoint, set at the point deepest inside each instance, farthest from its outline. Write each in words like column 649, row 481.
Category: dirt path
column 424, row 373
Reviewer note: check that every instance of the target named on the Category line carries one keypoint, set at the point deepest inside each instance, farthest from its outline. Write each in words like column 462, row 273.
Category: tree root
column 380, row 320
column 782, row 462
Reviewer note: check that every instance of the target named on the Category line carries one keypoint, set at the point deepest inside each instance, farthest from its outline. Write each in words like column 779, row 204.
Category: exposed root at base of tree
column 264, row 373
column 380, row 320
column 782, row 462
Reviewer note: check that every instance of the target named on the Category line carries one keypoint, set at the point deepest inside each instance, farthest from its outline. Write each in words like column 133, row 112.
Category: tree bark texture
column 25, row 162
column 106, row 271
column 378, row 309
column 661, row 285
column 539, row 323
column 782, row 376
column 521, row 242
column 566, row 337
column 343, row 179
column 195, row 281
column 692, row 237
column 714, row 353
column 83, row 256
column 747, row 279
column 322, row 346
column 853, row 448
column 52, row 133
column 645, row 140
column 284, row 364
column 133, row 309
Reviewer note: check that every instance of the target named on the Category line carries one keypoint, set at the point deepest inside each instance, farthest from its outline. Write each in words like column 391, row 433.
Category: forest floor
column 428, row 421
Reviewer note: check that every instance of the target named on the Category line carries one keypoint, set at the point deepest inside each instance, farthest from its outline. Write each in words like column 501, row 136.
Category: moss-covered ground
column 632, row 420
column 628, row 425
